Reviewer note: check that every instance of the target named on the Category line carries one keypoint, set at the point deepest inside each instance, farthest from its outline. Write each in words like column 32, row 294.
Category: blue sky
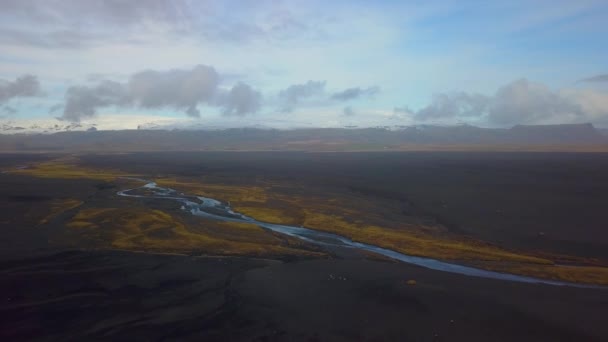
column 304, row 63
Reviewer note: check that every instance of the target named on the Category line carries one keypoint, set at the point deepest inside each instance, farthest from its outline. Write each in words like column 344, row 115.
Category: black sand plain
column 53, row 291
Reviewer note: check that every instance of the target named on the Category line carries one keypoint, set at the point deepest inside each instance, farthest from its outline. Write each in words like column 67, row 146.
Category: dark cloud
column 596, row 79
column 24, row 86
column 354, row 93
column 178, row 89
column 293, row 94
column 519, row 102
column 83, row 101
column 348, row 111
column 241, row 100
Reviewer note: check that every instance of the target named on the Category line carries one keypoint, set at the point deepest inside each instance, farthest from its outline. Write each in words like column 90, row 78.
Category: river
column 213, row 209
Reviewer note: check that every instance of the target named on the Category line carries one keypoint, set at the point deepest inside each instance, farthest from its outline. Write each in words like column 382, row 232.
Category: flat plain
column 123, row 268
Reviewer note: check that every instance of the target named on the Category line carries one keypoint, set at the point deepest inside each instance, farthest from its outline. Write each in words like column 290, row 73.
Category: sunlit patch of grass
column 59, row 206
column 84, row 218
column 414, row 243
column 81, row 224
column 236, row 195
column 155, row 230
column 264, row 214
column 574, row 274
column 67, row 168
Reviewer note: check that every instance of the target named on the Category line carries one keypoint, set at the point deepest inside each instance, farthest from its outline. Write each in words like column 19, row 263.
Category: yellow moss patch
column 264, row 214
column 67, row 168
column 574, row 274
column 415, row 243
column 155, row 230
column 60, row 206
column 80, row 224
column 232, row 194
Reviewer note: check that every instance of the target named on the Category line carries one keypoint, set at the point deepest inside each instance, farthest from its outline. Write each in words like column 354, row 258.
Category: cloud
column 53, row 39
column 526, row 102
column 24, row 86
column 454, row 105
column 348, row 111
column 519, row 102
column 596, row 79
column 83, row 23
column 75, row 24
column 354, row 93
column 592, row 103
column 296, row 92
column 178, row 89
column 83, row 101
column 241, row 100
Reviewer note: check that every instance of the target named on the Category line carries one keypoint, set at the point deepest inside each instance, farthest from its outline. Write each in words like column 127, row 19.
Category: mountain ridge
column 381, row 138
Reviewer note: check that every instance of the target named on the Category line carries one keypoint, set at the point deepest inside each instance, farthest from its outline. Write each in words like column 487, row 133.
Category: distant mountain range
column 463, row 137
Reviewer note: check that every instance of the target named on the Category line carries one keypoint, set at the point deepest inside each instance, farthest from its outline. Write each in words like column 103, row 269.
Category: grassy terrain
column 356, row 218
column 67, row 167
column 158, row 231
column 60, row 206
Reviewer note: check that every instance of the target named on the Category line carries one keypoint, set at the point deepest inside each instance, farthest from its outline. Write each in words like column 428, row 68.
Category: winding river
column 214, row 209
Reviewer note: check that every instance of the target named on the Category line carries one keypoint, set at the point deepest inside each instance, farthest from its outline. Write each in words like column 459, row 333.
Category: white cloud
column 519, row 102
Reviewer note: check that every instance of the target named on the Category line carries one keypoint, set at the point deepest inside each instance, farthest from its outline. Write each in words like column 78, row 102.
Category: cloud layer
column 73, row 24
column 179, row 89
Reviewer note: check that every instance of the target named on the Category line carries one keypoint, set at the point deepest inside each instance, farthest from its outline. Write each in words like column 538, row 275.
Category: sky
column 122, row 64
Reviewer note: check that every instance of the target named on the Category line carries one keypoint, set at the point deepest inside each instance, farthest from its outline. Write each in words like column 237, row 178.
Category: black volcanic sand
column 24, row 201
column 552, row 202
column 50, row 293
column 11, row 160
column 123, row 296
